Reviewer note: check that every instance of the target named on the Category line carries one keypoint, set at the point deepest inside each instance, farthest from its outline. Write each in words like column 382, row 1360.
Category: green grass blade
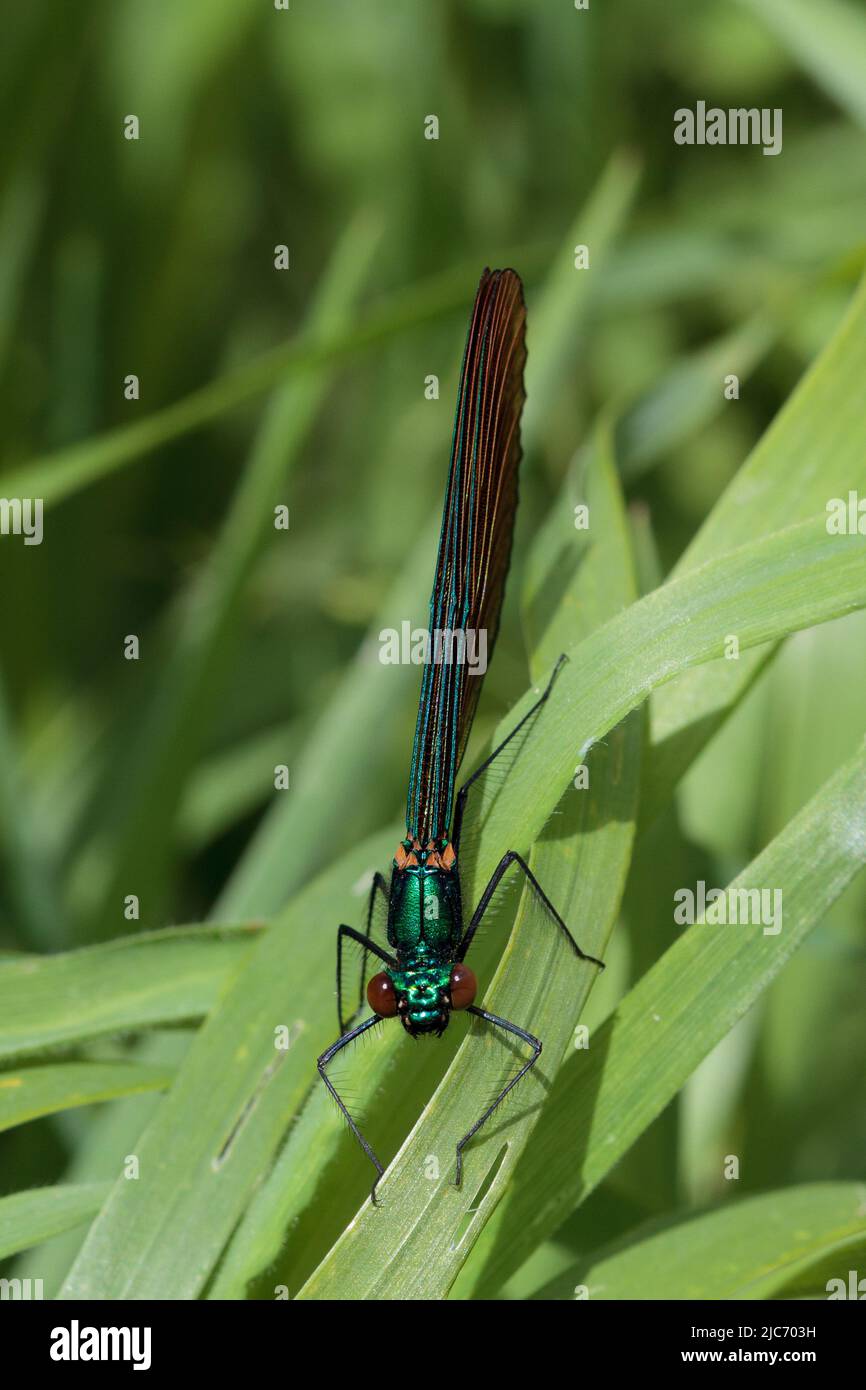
column 164, row 1238
column 755, row 1248
column 230, row 785
column 788, row 580
column 815, row 449
column 828, row 41
column 169, row 976
column 29, row 879
column 139, row 828
column 106, row 1132
column 19, row 220
column 639, row 1058
column 26, row 1218
column 295, row 836
column 558, row 315
column 66, row 472
column 688, row 395
column 27, row 1093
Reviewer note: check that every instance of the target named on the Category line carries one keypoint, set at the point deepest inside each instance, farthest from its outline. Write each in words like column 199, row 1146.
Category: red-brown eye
column 381, row 996
column 464, row 987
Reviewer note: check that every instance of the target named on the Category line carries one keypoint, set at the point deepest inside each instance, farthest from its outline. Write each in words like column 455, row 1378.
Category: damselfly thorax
column 424, row 930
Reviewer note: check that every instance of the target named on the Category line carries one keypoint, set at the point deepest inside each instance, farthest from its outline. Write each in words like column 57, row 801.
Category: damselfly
column 425, row 976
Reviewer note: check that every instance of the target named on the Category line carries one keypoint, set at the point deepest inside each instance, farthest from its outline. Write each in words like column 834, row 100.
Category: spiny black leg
column 322, row 1063
column 512, row 857
column 534, row 1043
column 460, row 804
column 368, row 945
column 377, row 886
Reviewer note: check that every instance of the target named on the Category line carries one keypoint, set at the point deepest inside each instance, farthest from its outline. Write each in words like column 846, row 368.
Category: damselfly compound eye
column 381, row 995
column 464, row 987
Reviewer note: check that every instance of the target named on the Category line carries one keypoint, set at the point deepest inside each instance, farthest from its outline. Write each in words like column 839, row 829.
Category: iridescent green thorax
column 424, row 930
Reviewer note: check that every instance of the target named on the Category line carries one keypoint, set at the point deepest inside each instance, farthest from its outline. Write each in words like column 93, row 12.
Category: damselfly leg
column 460, row 803
column 369, row 947
column 323, row 1061
column 378, row 888
column 534, row 1043
column 511, row 857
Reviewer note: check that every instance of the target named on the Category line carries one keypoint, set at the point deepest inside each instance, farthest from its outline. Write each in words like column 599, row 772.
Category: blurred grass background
column 156, row 257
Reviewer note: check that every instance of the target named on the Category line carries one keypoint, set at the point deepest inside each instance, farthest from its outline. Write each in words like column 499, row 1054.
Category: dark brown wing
column 474, row 547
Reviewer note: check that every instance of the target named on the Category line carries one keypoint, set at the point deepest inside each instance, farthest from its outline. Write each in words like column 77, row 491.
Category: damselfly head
column 422, row 999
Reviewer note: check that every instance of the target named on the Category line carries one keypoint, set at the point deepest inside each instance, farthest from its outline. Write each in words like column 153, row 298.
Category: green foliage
column 777, row 1245
column 153, row 781
column 168, row 976
column 27, row 1218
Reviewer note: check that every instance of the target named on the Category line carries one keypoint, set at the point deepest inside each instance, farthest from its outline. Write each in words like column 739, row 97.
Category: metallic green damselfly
column 425, row 976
